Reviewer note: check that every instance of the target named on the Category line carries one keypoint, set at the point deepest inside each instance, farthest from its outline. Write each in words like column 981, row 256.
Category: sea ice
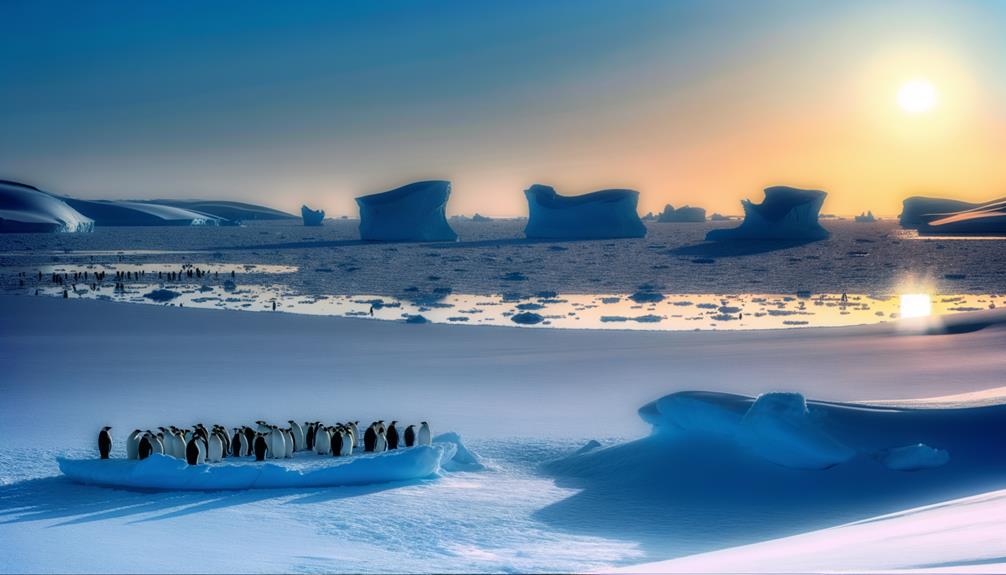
column 414, row 212
column 597, row 215
column 24, row 208
column 785, row 214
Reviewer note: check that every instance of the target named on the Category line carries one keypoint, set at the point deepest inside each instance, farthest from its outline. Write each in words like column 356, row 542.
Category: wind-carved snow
column 126, row 213
column 312, row 217
column 414, row 212
column 785, row 214
column 24, row 208
column 597, row 215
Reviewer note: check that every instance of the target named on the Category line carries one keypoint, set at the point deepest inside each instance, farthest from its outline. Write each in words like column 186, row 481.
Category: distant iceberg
column 312, row 218
column 682, row 214
column 940, row 216
column 597, row 215
column 130, row 213
column 414, row 212
column 785, row 214
column 25, row 208
column 866, row 218
column 233, row 212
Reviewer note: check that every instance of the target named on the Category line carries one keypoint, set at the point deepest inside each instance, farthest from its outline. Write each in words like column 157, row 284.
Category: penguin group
column 198, row 444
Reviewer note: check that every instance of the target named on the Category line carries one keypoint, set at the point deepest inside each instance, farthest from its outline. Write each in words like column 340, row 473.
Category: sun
column 917, row 97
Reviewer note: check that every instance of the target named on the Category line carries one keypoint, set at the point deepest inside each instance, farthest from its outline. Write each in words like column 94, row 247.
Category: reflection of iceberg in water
column 24, row 208
column 414, row 212
column 785, row 214
column 597, row 215
column 312, row 217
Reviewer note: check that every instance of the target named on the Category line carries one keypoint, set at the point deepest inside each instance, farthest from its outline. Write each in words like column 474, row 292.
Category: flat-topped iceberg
column 413, row 212
column 312, row 217
column 939, row 216
column 785, row 214
column 597, row 215
column 682, row 214
column 129, row 213
column 306, row 469
column 26, row 209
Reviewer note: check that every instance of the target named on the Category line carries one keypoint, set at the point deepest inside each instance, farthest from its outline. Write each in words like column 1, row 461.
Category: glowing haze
column 701, row 102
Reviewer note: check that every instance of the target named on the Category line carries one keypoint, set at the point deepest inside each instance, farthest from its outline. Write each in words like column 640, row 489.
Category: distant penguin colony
column 198, row 445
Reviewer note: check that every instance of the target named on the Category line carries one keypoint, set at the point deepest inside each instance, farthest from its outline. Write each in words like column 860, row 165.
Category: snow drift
column 126, row 213
column 785, row 214
column 414, row 212
column 682, row 214
column 312, row 217
column 162, row 472
column 25, row 208
column 597, row 215
column 937, row 216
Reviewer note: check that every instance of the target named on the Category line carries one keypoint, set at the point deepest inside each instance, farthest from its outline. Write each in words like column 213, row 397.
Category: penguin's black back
column 145, row 448
column 236, row 445
column 336, row 443
column 104, row 444
column 260, row 448
column 392, row 437
column 310, row 437
column 410, row 436
column 192, row 452
column 369, row 439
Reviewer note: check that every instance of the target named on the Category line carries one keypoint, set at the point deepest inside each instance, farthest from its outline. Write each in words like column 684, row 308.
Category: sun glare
column 916, row 305
column 917, row 96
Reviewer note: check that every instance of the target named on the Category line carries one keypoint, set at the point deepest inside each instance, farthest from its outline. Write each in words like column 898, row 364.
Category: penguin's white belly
column 216, row 449
column 323, row 443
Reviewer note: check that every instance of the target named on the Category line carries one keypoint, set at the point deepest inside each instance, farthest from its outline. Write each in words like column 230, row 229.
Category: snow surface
column 785, row 214
column 597, row 215
column 126, row 213
column 413, row 212
column 24, row 208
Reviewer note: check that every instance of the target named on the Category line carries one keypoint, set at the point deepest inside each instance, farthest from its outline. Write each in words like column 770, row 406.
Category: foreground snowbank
column 306, row 470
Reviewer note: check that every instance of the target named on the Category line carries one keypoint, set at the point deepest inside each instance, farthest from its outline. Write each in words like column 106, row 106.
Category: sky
column 698, row 102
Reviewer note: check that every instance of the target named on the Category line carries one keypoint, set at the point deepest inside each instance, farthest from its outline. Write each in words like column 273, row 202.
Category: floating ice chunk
column 527, row 318
column 785, row 214
column 414, row 212
column 779, row 428
column 601, row 214
column 161, row 295
column 416, row 319
column 463, row 459
column 123, row 213
column 24, row 208
column 312, row 217
column 682, row 214
column 914, row 457
column 304, row 470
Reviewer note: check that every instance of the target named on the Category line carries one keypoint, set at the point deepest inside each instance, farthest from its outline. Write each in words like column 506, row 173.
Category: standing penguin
column 309, row 433
column 370, row 437
column 133, row 444
column 381, row 443
column 410, row 436
column 277, row 443
column 238, row 443
column 392, row 436
column 323, row 441
column 354, row 432
column 215, row 451
column 424, row 437
column 104, row 442
column 146, row 447
column 298, row 435
column 194, row 454
column 290, row 444
column 260, row 447
column 337, row 439
column 347, row 442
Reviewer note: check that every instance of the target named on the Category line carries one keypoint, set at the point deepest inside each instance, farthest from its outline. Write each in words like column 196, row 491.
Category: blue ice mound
column 26, row 209
column 682, row 214
column 597, row 215
column 934, row 216
column 233, row 212
column 414, row 212
column 127, row 213
column 464, row 459
column 778, row 427
column 914, row 457
column 785, row 214
column 306, row 469
column 311, row 217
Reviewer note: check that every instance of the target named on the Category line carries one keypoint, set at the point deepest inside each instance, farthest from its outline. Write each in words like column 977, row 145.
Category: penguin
column 262, row 427
column 424, row 437
column 133, row 444
column 309, row 433
column 298, row 435
column 261, row 446
column 146, row 447
column 194, row 454
column 250, row 437
column 216, row 448
column 323, row 441
column 337, row 439
column 392, row 436
column 277, row 444
column 238, row 443
column 381, row 443
column 104, row 442
column 354, row 431
column 347, row 443
column 290, row 445
column 370, row 437
column 157, row 441
column 410, row 436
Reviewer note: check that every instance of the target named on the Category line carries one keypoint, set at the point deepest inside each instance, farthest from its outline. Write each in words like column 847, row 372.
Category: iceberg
column 129, row 213
column 866, row 218
column 25, row 208
column 682, row 214
column 785, row 214
column 914, row 457
column 311, row 217
column 597, row 215
column 937, row 216
column 233, row 212
column 414, row 212
column 162, row 472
